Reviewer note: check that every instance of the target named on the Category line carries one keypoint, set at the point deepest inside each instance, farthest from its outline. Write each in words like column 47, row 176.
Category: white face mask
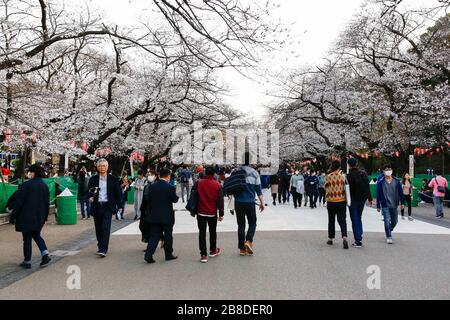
column 296, row 172
column 29, row 175
column 151, row 178
column 388, row 173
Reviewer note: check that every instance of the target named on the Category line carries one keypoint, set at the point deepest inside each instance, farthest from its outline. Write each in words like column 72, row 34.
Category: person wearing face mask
column 312, row 189
column 296, row 195
column 389, row 196
column 144, row 227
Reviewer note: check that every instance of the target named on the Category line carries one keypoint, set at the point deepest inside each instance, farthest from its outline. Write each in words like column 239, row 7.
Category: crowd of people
column 204, row 190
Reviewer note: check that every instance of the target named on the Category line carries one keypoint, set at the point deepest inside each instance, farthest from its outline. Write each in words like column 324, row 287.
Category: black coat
column 31, row 206
column 83, row 188
column 160, row 198
column 114, row 194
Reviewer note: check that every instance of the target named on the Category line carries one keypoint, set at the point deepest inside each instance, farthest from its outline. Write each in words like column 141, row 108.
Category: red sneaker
column 204, row 259
column 213, row 254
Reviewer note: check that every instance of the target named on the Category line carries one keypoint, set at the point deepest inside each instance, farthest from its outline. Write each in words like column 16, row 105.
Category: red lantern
column 8, row 135
column 84, row 147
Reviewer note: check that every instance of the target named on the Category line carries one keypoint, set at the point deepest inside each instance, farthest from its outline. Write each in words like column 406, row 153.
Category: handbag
column 192, row 203
column 348, row 197
column 439, row 188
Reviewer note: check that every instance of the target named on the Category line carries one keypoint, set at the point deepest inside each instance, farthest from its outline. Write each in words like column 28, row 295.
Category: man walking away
column 30, row 212
column 105, row 195
column 210, row 201
column 160, row 215
column 185, row 177
column 245, row 207
column 439, row 185
column 360, row 193
column 389, row 195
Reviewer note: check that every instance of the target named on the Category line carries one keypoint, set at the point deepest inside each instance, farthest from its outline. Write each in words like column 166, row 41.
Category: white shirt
column 103, row 193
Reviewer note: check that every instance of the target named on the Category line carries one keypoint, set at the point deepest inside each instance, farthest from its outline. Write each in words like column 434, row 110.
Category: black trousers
column 282, row 194
column 338, row 209
column 408, row 203
column 244, row 210
column 155, row 235
column 203, row 223
column 296, row 197
column 321, row 195
column 313, row 199
column 27, row 244
column 102, row 221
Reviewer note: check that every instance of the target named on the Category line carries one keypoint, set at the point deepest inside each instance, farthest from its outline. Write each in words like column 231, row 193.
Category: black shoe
column 45, row 260
column 345, row 244
column 330, row 242
column 275, row 204
column 135, row 218
column 25, row 265
column 357, row 245
column 149, row 260
column 171, row 258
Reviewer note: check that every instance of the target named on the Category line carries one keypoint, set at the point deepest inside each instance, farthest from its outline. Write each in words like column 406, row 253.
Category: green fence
column 6, row 191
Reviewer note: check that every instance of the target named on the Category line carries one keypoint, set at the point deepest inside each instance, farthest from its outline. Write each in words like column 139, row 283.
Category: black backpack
column 192, row 204
column 362, row 184
column 235, row 184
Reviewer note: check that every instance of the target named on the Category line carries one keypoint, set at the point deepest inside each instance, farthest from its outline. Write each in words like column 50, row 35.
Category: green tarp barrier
column 6, row 191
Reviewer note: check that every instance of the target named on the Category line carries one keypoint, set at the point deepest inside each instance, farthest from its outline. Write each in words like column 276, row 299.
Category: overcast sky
column 315, row 24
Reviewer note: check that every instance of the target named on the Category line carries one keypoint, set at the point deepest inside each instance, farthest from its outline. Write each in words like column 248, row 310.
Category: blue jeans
column 439, row 205
column 390, row 220
column 27, row 244
column 85, row 207
column 356, row 210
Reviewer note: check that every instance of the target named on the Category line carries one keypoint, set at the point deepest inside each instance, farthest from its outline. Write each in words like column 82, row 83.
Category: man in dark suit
column 106, row 198
column 30, row 209
column 160, row 215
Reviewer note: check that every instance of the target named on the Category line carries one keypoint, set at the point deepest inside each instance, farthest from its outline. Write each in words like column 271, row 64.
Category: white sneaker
column 389, row 241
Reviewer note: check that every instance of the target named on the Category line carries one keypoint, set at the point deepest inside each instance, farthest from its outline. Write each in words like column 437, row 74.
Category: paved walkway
column 292, row 261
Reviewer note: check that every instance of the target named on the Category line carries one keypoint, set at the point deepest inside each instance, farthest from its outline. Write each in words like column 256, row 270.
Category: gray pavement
column 287, row 265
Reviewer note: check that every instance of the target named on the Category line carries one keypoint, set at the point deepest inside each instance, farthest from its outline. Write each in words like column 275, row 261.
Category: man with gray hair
column 105, row 196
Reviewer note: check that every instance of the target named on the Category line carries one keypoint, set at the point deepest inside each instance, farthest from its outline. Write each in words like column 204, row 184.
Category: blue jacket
column 159, row 198
column 252, row 186
column 31, row 206
column 381, row 198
